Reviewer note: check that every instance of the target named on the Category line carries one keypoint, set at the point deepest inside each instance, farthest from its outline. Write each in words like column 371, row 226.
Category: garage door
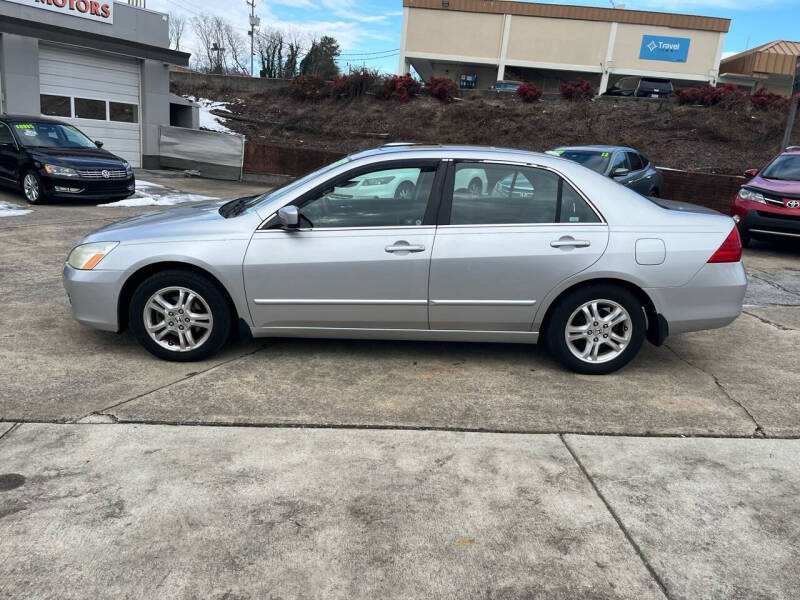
column 98, row 93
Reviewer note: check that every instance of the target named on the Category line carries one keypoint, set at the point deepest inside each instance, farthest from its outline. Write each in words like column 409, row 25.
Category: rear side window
column 493, row 194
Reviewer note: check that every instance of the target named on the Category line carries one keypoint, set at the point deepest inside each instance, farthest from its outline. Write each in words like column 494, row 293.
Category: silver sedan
column 544, row 249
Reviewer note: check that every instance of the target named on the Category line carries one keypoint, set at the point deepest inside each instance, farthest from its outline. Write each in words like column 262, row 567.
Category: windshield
column 280, row 192
column 50, row 135
column 593, row 159
column 786, row 166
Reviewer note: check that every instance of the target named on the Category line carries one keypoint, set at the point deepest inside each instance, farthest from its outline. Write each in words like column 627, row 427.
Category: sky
column 369, row 31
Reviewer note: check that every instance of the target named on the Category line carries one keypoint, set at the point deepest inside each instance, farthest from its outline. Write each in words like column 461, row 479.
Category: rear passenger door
column 498, row 252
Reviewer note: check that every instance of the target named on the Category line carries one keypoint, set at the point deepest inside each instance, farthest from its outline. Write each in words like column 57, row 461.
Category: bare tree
column 177, row 23
column 221, row 48
column 237, row 50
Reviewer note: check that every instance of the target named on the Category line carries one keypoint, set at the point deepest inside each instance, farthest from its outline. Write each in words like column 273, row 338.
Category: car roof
column 598, row 148
column 38, row 119
column 438, row 150
column 792, row 150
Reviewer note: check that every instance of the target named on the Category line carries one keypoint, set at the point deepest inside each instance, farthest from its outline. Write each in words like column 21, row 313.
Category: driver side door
column 359, row 259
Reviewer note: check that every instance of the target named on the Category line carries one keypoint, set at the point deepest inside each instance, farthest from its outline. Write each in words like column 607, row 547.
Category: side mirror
column 98, row 143
column 750, row 173
column 620, row 172
column 289, row 217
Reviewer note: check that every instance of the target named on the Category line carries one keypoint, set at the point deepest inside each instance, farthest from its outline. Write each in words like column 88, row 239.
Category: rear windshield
column 50, row 135
column 786, row 166
column 595, row 160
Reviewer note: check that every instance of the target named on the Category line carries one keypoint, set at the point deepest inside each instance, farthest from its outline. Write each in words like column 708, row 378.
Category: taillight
column 730, row 250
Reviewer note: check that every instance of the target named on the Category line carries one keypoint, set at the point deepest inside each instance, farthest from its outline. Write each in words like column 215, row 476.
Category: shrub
column 579, row 89
column 768, row 101
column 709, row 95
column 443, row 88
column 355, row 83
column 308, row 87
column 528, row 92
column 401, row 87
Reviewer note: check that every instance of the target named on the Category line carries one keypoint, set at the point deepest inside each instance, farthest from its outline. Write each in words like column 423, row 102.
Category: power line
column 369, row 53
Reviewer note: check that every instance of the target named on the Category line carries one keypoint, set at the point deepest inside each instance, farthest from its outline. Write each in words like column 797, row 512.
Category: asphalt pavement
column 363, row 469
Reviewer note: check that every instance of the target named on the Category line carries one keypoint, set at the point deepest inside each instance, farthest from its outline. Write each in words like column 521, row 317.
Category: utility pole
column 254, row 22
column 787, row 134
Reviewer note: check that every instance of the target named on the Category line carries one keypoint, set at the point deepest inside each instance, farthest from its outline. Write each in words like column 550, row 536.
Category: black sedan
column 48, row 159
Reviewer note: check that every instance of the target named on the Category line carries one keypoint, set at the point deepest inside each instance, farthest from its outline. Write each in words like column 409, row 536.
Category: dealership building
column 101, row 66
column 770, row 66
column 478, row 42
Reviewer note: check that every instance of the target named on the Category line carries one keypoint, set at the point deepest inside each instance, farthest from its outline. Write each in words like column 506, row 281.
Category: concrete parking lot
column 354, row 469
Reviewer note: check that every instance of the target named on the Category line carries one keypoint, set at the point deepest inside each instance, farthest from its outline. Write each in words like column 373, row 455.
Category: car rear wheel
column 404, row 191
column 475, row 186
column 596, row 329
column 32, row 188
column 180, row 315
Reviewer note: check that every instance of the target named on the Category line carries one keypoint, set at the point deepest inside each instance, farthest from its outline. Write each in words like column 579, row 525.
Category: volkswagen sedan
column 577, row 261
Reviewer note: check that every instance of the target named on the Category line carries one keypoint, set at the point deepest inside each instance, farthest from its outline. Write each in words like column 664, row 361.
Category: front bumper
column 89, row 189
column 712, row 298
column 765, row 224
column 93, row 296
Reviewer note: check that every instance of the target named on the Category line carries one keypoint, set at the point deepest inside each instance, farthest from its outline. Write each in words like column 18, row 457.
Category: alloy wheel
column 598, row 331
column 31, row 188
column 178, row 319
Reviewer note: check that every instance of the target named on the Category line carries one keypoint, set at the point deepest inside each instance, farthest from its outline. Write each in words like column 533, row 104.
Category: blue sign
column 670, row 49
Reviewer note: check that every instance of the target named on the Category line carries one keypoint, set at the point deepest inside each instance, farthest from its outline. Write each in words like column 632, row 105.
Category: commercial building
column 102, row 67
column 771, row 66
column 550, row 43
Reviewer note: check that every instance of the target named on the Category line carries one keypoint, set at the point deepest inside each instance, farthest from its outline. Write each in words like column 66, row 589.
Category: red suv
column 768, row 206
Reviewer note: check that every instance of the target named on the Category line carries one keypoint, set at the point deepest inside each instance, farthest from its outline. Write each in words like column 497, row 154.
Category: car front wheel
column 33, row 189
column 597, row 329
column 180, row 315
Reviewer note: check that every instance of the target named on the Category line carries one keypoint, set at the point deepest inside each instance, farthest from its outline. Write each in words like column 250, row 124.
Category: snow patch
column 12, row 210
column 207, row 120
column 168, row 199
column 143, row 185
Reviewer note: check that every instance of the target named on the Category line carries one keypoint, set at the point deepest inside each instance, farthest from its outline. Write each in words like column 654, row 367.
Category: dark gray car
column 624, row 165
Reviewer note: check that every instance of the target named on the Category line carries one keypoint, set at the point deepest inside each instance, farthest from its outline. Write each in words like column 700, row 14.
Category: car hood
column 78, row 158
column 200, row 221
column 776, row 186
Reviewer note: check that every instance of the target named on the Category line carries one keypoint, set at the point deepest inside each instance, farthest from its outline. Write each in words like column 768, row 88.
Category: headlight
column 60, row 171
column 127, row 166
column 751, row 195
column 378, row 180
column 86, row 256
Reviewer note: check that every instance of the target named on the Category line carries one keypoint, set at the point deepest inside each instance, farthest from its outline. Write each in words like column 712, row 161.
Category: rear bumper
column 93, row 296
column 762, row 223
column 713, row 298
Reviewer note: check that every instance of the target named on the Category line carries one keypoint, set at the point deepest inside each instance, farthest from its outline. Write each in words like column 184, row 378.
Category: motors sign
column 659, row 47
column 84, row 9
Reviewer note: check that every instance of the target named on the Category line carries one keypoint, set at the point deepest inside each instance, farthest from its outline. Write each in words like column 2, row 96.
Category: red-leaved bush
column 353, row 84
column 528, row 92
column 709, row 95
column 578, row 89
column 401, row 87
column 442, row 88
column 768, row 101
column 308, row 87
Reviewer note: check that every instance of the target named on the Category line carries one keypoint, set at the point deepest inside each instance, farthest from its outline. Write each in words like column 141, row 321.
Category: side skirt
column 440, row 335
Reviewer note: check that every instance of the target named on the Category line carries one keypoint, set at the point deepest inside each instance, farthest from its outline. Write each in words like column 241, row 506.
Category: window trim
column 446, row 205
column 428, row 220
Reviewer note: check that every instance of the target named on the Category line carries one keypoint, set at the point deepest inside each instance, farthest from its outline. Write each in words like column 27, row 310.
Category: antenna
column 254, row 22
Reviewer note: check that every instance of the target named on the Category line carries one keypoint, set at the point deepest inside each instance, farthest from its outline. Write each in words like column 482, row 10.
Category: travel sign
column 84, row 9
column 659, row 47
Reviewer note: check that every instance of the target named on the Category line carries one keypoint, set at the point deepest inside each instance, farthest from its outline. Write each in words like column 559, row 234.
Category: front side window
column 620, row 162
column 55, row 106
column 50, row 135
column 5, row 134
column 511, row 194
column 385, row 198
column 90, row 109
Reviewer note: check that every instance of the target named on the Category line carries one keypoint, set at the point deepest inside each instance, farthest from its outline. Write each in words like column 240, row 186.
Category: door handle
column 403, row 246
column 570, row 243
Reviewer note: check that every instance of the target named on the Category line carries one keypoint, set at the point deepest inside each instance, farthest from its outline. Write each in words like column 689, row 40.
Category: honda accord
column 575, row 260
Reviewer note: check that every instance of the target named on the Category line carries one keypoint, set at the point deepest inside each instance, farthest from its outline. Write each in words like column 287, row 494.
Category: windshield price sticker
column 24, row 126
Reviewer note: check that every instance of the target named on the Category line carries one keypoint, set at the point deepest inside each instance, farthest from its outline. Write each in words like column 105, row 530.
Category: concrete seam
column 104, row 411
column 759, row 431
column 650, row 569
column 14, row 427
column 777, row 286
column 373, row 427
column 768, row 322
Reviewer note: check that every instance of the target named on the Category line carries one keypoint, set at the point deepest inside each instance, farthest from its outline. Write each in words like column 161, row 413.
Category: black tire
column 207, row 290
column 475, row 186
column 557, row 323
column 42, row 196
column 405, row 191
column 745, row 239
